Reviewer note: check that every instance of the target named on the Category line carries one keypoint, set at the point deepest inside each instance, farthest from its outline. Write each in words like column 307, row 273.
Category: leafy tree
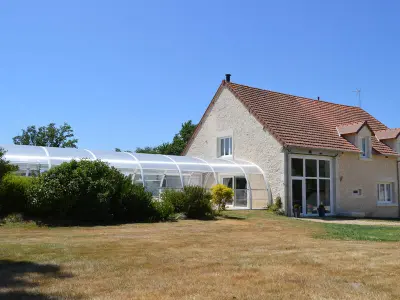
column 119, row 150
column 49, row 136
column 177, row 145
column 5, row 166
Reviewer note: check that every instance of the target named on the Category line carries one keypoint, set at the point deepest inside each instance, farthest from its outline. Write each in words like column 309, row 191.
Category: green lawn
column 360, row 232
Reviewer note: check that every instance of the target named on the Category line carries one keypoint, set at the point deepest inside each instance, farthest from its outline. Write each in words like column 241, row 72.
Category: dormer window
column 365, row 147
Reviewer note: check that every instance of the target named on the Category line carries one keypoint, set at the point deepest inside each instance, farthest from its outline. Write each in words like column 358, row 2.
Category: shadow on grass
column 233, row 217
column 14, row 286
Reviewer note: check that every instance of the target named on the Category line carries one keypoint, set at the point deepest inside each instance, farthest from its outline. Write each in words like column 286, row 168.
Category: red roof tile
column 350, row 128
column 388, row 134
column 302, row 122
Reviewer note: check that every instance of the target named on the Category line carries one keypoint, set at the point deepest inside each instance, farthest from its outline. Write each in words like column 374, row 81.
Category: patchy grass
column 361, row 233
column 244, row 255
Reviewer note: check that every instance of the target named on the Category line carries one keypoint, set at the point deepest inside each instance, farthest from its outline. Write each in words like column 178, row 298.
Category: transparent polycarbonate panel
column 153, row 183
column 187, row 163
column 172, row 182
column 192, row 179
column 225, row 166
column 119, row 160
column 248, row 167
column 155, row 162
column 137, row 178
column 60, row 155
column 25, row 154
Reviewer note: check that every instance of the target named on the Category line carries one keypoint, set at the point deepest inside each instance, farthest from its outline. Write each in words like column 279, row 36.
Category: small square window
column 225, row 146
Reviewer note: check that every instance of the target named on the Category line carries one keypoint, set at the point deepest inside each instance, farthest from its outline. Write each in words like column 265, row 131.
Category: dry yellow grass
column 261, row 257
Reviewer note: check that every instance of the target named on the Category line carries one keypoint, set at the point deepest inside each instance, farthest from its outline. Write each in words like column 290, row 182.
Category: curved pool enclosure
column 155, row 171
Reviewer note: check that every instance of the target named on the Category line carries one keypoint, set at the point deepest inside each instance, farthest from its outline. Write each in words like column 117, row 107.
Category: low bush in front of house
column 221, row 195
column 14, row 193
column 276, row 207
column 91, row 191
column 193, row 201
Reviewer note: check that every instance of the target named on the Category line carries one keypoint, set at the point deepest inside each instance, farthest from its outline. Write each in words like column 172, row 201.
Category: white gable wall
column 229, row 117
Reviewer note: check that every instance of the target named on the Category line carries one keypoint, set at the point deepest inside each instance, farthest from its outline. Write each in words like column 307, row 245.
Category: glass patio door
column 240, row 192
column 239, row 186
column 311, row 183
column 297, row 192
column 228, row 181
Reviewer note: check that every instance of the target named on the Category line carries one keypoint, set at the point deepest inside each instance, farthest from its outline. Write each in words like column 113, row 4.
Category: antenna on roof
column 358, row 95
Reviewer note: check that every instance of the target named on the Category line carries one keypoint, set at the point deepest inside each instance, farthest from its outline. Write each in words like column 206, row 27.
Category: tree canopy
column 175, row 147
column 47, row 136
column 5, row 165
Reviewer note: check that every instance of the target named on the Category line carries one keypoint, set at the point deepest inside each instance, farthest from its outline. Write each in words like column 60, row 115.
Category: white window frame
column 385, row 201
column 233, row 177
column 230, row 146
column 367, row 154
column 398, row 145
column 304, row 177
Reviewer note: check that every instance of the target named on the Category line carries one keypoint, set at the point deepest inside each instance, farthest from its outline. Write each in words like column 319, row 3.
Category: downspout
column 398, row 184
column 286, row 181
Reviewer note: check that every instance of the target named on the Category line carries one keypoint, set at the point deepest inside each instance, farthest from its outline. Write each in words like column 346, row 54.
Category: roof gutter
column 311, row 154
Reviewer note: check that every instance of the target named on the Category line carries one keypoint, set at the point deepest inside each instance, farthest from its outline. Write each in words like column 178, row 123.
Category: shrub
column 137, row 205
column 13, row 218
column 13, row 193
column 193, row 201
column 89, row 191
column 5, row 166
column 276, row 207
column 176, row 198
column 221, row 194
column 163, row 211
column 198, row 202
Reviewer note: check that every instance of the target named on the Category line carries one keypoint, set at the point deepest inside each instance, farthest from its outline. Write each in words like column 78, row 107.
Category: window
column 398, row 146
column 365, row 147
column 385, row 192
column 311, row 183
column 225, row 146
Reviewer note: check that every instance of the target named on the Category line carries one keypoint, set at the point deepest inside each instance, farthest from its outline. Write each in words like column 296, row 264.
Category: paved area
column 354, row 221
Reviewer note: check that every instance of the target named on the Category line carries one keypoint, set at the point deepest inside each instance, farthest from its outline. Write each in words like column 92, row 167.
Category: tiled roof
column 302, row 122
column 350, row 128
column 388, row 134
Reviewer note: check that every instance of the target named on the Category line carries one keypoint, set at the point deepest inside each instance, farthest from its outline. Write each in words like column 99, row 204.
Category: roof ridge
column 396, row 128
column 286, row 94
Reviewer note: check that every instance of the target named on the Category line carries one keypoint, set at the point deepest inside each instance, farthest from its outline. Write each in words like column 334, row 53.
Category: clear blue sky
column 128, row 73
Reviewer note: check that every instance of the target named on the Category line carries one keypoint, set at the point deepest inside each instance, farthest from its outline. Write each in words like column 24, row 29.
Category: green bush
column 193, row 201
column 198, row 202
column 89, row 191
column 176, row 198
column 13, row 193
column 276, row 207
column 221, row 194
column 137, row 205
column 5, row 166
column 163, row 211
